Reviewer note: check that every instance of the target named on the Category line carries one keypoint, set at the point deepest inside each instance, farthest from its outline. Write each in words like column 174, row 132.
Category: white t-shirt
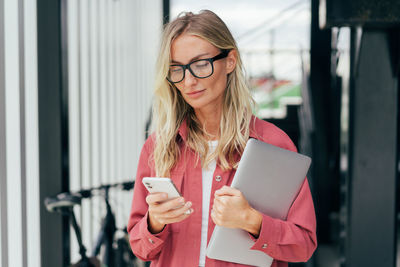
column 207, row 178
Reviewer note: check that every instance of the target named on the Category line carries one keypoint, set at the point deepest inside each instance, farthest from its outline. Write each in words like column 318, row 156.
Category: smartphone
column 161, row 185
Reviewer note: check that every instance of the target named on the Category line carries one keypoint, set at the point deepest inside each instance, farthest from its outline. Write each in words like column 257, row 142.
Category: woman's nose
column 189, row 78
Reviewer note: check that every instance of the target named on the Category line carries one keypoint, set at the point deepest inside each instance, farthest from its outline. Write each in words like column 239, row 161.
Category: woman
column 203, row 118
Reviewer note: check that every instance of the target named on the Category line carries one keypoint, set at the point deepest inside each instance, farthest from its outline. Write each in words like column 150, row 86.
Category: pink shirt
column 293, row 240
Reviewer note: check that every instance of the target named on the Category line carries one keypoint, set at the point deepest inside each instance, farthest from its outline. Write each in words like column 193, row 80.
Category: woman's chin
column 196, row 103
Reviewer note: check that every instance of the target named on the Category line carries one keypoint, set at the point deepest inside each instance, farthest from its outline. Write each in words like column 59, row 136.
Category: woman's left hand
column 232, row 210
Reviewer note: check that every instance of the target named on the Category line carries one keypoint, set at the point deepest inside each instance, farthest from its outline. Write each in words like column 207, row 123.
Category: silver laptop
column 270, row 178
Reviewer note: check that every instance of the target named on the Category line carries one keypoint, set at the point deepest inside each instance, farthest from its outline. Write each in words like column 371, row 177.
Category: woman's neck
column 210, row 121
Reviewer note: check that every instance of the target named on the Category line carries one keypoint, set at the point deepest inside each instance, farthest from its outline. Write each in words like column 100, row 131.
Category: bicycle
column 117, row 252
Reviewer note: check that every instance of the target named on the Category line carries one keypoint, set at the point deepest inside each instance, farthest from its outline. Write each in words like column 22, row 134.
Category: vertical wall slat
column 117, row 196
column 94, row 136
column 103, row 95
column 111, row 89
column 108, row 92
column 100, row 86
column 3, row 154
column 32, row 144
column 126, row 119
column 85, row 118
column 13, row 145
column 74, row 126
column 22, row 122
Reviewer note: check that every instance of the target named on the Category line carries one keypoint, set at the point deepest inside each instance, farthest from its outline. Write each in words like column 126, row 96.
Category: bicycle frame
column 64, row 203
column 106, row 235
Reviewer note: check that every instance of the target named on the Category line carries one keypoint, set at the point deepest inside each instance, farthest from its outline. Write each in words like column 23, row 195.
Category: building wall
column 19, row 175
column 112, row 51
column 112, row 47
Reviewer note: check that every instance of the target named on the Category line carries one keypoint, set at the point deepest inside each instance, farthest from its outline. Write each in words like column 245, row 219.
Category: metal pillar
column 166, row 11
column 373, row 155
column 323, row 183
column 53, row 128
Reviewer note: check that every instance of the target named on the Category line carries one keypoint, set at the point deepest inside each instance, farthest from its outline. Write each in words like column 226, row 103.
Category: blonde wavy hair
column 170, row 109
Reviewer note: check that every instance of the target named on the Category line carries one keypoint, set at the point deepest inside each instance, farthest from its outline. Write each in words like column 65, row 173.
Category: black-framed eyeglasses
column 201, row 68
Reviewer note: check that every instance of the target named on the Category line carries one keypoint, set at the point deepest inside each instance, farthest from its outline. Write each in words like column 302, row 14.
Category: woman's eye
column 201, row 64
column 175, row 70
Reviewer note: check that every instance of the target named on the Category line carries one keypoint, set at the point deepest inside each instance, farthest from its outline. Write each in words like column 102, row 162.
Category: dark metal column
column 53, row 128
column 320, row 83
column 372, row 153
column 166, row 11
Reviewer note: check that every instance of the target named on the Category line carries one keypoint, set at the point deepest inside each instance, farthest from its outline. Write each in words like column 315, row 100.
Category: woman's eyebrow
column 192, row 59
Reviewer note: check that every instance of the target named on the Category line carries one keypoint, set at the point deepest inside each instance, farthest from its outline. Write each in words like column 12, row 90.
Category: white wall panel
column 107, row 107
column 118, row 106
column 73, row 94
column 112, row 49
column 85, row 118
column 13, row 135
column 94, row 19
column 74, row 109
column 32, row 145
column 20, row 126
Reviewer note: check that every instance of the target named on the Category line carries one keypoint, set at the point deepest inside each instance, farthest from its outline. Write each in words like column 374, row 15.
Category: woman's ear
column 231, row 60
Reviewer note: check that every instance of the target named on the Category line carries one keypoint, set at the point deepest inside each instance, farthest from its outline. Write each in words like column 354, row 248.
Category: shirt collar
column 256, row 129
column 182, row 131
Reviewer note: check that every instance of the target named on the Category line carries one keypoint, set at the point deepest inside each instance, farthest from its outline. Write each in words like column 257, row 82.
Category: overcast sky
column 291, row 29
column 244, row 15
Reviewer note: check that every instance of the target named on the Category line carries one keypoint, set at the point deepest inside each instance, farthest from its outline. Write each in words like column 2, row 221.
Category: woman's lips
column 196, row 94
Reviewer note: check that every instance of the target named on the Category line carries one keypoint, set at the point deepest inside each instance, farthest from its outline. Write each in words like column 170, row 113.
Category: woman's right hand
column 162, row 211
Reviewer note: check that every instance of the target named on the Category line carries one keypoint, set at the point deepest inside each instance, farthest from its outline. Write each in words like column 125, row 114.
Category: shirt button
column 264, row 246
column 218, row 178
column 151, row 241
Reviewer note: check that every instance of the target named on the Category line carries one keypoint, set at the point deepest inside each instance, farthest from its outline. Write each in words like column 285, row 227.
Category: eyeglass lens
column 200, row 69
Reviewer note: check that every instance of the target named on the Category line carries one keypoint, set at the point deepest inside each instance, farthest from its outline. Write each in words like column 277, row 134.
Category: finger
column 179, row 218
column 169, row 205
column 176, row 213
column 222, row 200
column 154, row 198
column 217, row 202
column 214, row 217
column 218, row 207
column 182, row 216
column 227, row 190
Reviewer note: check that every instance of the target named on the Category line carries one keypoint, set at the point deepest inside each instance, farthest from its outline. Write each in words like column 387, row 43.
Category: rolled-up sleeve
column 293, row 240
column 144, row 244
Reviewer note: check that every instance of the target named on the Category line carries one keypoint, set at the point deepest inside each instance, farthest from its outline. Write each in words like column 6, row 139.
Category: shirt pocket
column 177, row 178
